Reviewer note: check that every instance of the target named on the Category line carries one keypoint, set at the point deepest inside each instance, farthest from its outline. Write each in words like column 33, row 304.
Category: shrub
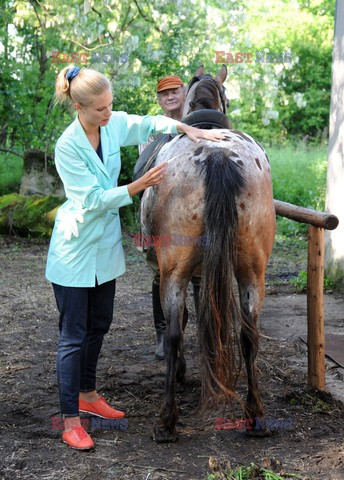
column 32, row 216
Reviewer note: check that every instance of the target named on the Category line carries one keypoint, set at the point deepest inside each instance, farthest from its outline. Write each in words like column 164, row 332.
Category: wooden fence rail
column 317, row 222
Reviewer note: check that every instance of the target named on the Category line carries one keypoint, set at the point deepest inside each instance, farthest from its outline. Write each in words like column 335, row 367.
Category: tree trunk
column 334, row 240
column 37, row 179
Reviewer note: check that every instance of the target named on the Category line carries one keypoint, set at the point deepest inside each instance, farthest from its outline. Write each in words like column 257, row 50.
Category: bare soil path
column 131, row 378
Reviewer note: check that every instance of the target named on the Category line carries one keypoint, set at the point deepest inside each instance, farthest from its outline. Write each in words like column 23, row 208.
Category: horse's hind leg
column 251, row 283
column 181, row 364
column 173, row 294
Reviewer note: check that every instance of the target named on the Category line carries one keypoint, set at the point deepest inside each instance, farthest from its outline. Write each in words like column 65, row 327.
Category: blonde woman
column 85, row 254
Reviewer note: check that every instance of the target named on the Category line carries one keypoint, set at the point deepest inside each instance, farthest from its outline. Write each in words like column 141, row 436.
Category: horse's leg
column 251, row 283
column 172, row 294
column 181, row 364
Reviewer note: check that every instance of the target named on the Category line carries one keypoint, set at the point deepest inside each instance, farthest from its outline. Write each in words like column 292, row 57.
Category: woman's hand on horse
column 196, row 133
column 152, row 177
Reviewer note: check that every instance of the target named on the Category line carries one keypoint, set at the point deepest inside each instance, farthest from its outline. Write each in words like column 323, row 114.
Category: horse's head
column 206, row 92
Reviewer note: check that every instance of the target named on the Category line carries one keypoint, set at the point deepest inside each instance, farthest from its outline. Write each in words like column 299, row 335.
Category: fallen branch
column 11, row 151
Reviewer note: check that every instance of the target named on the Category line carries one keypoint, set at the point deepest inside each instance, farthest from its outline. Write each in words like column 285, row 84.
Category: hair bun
column 88, row 85
column 72, row 72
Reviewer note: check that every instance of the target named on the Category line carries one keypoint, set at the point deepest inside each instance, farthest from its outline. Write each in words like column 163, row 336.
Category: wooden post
column 316, row 221
column 315, row 308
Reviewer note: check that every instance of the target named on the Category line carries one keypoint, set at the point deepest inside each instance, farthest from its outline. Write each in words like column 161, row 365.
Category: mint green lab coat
column 91, row 188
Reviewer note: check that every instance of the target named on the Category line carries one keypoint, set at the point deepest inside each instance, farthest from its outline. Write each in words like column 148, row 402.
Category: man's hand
column 196, row 133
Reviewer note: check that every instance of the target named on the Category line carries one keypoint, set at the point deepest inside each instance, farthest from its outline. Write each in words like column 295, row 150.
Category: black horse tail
column 219, row 312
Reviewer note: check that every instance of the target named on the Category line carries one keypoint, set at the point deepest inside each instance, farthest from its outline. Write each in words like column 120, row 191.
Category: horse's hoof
column 259, row 433
column 163, row 435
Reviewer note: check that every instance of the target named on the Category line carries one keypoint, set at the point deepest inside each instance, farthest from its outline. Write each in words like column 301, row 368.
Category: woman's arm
column 82, row 186
column 196, row 133
column 152, row 177
column 135, row 130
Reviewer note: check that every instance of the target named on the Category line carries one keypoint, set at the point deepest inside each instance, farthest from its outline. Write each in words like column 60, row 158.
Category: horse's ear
column 222, row 75
column 200, row 71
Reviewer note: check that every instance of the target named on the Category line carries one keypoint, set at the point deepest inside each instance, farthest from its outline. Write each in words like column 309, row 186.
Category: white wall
column 334, row 240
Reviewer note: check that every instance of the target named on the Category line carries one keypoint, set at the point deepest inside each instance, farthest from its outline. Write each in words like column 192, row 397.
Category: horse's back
column 180, row 197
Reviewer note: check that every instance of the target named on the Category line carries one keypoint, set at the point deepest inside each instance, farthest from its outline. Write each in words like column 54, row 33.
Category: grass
column 11, row 171
column 250, row 473
column 314, row 401
column 299, row 174
column 299, row 177
column 300, row 282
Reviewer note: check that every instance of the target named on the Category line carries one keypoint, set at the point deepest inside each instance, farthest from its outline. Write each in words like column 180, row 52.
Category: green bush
column 11, row 171
column 29, row 216
column 300, row 282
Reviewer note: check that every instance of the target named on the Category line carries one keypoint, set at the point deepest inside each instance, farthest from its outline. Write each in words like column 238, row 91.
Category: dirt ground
column 132, row 380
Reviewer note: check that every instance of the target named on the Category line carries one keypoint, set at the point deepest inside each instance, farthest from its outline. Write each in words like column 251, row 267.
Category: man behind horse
column 171, row 97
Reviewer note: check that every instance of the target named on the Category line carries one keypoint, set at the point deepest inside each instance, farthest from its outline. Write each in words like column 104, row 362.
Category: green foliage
column 162, row 37
column 270, row 101
column 289, row 229
column 314, row 401
column 299, row 177
column 250, row 473
column 306, row 189
column 299, row 174
column 29, row 216
column 312, row 78
column 321, row 407
column 11, row 170
column 300, row 282
column 292, row 99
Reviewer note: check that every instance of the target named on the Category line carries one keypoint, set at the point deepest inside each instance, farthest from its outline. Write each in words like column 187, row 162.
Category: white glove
column 68, row 225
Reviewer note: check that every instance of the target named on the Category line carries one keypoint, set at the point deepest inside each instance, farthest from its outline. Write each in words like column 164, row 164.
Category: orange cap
column 171, row 81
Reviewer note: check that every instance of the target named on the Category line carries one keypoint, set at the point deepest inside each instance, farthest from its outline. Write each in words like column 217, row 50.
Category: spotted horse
column 222, row 191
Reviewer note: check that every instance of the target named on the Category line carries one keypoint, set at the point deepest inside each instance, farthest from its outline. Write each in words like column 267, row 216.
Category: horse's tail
column 219, row 312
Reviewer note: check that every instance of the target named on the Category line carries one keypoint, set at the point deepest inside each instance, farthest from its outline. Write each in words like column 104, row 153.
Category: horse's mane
column 206, row 93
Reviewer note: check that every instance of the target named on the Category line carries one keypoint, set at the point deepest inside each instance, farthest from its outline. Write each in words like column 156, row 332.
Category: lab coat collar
column 84, row 143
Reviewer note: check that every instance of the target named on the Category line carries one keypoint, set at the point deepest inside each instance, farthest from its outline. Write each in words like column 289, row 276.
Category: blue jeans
column 85, row 317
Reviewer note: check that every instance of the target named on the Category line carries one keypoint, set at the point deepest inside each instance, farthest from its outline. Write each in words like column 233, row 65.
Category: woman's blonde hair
column 87, row 84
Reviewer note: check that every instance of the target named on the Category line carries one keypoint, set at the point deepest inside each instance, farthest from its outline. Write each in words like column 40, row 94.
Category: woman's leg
column 100, row 314
column 72, row 303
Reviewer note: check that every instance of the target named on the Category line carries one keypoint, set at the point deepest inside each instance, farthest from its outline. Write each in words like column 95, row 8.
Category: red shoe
column 78, row 438
column 100, row 408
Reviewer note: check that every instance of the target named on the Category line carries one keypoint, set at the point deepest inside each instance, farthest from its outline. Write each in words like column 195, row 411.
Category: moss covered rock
column 28, row 216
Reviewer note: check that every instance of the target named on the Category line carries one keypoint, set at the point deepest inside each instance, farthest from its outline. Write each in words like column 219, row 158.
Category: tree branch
column 146, row 18
column 96, row 11
column 71, row 39
column 11, row 151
